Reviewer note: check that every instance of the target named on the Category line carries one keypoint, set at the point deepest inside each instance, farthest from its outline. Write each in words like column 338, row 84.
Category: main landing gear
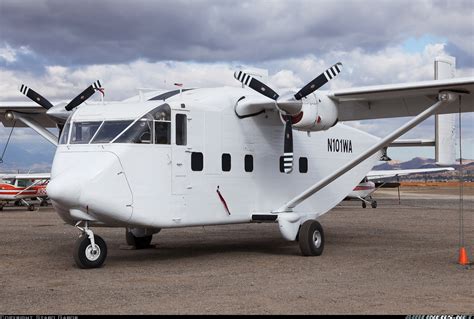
column 139, row 238
column 373, row 203
column 311, row 238
column 90, row 250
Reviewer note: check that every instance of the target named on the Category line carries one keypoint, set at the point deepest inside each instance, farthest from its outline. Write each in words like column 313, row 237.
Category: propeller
column 36, row 97
column 289, row 105
column 87, row 93
column 57, row 112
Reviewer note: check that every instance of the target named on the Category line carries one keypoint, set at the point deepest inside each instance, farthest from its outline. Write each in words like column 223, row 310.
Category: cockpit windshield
column 139, row 132
column 82, row 132
column 109, row 130
column 152, row 128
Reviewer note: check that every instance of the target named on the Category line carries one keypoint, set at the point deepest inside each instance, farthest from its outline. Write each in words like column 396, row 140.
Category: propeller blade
column 288, row 147
column 87, row 93
column 255, row 84
column 35, row 97
column 319, row 81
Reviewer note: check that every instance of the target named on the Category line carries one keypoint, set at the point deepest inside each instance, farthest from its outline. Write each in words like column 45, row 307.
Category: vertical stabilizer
column 445, row 124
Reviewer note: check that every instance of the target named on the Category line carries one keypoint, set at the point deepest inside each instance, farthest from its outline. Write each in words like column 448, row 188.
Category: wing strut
column 34, row 125
column 444, row 98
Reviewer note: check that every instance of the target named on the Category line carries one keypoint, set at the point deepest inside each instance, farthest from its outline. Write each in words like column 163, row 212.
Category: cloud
column 114, row 32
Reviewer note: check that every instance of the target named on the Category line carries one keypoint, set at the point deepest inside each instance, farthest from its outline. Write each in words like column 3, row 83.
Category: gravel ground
column 395, row 259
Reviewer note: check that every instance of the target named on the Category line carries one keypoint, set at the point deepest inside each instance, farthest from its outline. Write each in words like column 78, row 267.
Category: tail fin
column 445, row 124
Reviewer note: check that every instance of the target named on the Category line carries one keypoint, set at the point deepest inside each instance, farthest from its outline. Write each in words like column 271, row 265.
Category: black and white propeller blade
column 319, row 81
column 255, row 84
column 87, row 93
column 288, row 147
column 35, row 97
column 289, row 105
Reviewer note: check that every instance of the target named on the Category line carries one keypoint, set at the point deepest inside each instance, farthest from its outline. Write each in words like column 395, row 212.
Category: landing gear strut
column 90, row 250
column 311, row 238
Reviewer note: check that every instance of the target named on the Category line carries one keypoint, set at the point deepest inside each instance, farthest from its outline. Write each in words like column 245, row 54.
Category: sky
column 59, row 47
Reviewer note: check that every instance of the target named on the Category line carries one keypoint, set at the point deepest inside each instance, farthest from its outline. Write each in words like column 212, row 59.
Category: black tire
column 137, row 242
column 364, row 205
column 311, row 238
column 374, row 204
column 83, row 252
column 31, row 207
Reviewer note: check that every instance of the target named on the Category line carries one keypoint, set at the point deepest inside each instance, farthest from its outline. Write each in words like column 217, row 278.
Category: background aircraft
column 367, row 187
column 18, row 188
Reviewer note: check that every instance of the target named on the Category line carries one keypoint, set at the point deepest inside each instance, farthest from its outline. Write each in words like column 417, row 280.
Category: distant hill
column 420, row 162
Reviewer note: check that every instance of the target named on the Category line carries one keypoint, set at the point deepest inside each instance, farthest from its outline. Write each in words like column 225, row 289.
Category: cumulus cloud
column 58, row 48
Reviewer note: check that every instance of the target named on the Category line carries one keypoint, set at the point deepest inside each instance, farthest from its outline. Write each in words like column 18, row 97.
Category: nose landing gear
column 90, row 250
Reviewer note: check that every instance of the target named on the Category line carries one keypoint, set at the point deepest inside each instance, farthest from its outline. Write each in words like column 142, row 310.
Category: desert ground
column 400, row 258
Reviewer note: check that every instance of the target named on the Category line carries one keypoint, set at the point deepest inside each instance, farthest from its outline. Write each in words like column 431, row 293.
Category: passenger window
column 303, row 165
column 226, row 162
column 138, row 133
column 181, row 132
column 197, row 161
column 248, row 163
column 109, row 130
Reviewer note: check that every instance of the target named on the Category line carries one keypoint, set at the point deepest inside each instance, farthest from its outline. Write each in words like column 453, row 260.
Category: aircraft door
column 179, row 145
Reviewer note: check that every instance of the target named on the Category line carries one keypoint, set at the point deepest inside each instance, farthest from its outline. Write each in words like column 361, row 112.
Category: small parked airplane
column 213, row 156
column 18, row 188
column 367, row 187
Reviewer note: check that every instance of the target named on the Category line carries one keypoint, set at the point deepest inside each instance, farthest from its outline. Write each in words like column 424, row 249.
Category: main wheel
column 311, row 238
column 364, row 205
column 374, row 204
column 85, row 256
column 31, row 207
column 137, row 242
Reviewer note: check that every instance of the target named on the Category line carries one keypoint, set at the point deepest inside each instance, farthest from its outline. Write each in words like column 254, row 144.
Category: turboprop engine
column 296, row 109
column 318, row 115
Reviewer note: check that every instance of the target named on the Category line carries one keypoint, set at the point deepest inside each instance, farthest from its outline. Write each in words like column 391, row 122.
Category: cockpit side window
column 82, row 132
column 109, row 130
column 162, row 124
column 139, row 133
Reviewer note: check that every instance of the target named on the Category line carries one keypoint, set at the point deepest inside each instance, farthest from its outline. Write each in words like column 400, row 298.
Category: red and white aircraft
column 367, row 187
column 18, row 188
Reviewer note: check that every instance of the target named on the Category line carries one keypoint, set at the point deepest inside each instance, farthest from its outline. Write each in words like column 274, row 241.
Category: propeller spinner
column 289, row 105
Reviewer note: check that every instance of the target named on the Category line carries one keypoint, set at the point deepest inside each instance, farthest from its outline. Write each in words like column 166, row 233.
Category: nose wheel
column 90, row 250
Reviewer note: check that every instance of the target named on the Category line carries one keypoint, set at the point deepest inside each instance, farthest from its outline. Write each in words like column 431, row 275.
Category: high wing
column 400, row 172
column 26, row 176
column 398, row 100
column 30, row 108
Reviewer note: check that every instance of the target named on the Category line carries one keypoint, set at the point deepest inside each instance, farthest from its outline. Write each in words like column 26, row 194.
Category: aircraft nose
column 93, row 183
column 64, row 191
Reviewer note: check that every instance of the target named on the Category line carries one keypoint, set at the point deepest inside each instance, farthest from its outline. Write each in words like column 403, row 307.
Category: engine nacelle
column 318, row 115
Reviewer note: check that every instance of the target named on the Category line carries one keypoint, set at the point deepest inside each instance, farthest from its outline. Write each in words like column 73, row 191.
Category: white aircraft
column 223, row 155
column 18, row 188
column 364, row 190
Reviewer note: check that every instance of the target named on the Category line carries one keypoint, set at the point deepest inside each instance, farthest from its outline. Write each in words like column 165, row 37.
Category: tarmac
column 400, row 258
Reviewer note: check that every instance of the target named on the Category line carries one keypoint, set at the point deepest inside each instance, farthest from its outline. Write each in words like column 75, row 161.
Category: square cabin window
column 197, row 161
column 226, row 162
column 248, row 161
